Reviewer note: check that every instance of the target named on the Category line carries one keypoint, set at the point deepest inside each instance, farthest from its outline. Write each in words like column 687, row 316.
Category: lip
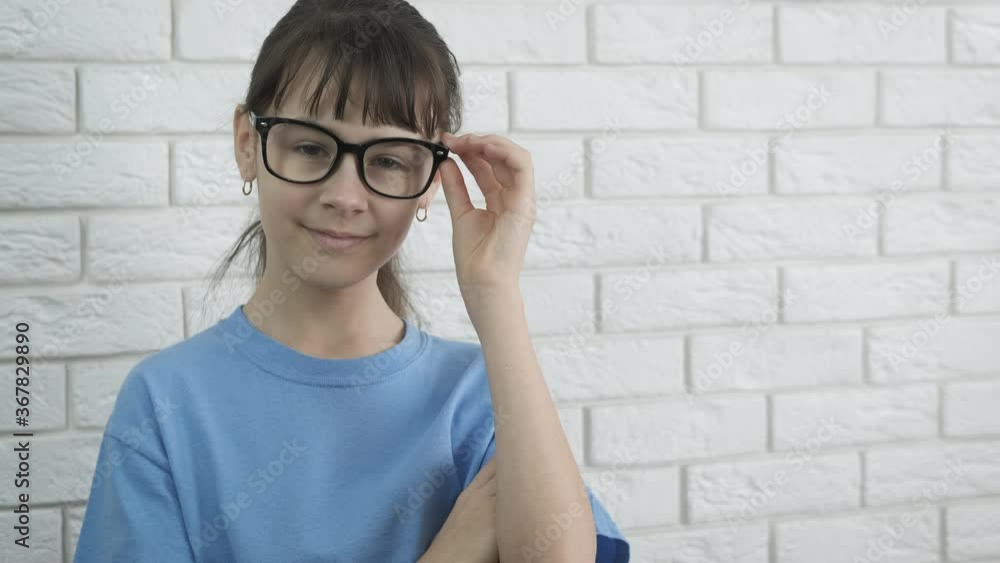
column 336, row 243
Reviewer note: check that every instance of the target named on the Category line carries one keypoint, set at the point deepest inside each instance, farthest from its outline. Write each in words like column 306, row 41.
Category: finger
column 511, row 162
column 470, row 149
column 456, row 193
column 491, row 486
column 513, row 168
column 486, row 180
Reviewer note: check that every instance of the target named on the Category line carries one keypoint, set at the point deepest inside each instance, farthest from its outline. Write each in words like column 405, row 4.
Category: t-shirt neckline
column 242, row 336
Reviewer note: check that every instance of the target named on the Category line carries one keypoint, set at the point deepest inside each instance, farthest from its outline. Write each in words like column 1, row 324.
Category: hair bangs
column 393, row 86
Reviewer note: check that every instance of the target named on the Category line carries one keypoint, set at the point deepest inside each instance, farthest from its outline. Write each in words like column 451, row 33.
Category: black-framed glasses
column 304, row 153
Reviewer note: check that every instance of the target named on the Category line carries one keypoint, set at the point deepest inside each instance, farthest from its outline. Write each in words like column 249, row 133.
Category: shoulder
column 156, row 386
column 178, row 360
column 455, row 362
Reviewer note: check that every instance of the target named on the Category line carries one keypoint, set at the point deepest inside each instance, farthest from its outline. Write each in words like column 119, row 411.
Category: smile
column 336, row 244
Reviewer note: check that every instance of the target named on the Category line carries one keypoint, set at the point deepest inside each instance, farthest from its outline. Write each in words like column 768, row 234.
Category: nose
column 344, row 190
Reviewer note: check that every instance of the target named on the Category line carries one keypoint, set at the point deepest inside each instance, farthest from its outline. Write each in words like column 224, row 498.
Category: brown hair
column 400, row 59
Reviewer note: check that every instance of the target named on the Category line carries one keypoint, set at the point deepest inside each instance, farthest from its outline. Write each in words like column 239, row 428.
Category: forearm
column 538, row 482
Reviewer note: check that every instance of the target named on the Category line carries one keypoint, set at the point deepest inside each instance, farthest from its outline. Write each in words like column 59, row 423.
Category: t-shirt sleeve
column 612, row 546
column 133, row 513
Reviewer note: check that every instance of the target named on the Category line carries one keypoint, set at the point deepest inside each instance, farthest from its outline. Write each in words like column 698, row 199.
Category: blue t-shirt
column 231, row 446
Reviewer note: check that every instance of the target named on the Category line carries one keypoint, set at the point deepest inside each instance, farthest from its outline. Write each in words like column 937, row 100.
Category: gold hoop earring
column 245, row 190
column 419, row 209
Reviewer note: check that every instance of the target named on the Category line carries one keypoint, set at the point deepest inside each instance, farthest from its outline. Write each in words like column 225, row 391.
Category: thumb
column 456, row 193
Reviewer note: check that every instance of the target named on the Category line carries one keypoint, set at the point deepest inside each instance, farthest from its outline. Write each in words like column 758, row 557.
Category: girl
column 316, row 422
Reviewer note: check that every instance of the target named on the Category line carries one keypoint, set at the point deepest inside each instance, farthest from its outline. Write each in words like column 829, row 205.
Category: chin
column 330, row 274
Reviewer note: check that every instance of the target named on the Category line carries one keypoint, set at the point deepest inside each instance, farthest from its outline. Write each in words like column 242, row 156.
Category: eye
column 388, row 163
column 311, row 150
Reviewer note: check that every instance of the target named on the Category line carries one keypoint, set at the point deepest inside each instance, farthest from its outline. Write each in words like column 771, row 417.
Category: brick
column 852, row 417
column 764, row 231
column 485, row 95
column 224, row 30
column 571, row 419
column 901, row 535
column 46, row 395
column 686, row 298
column 610, row 368
column 788, row 99
column 37, row 98
column 116, row 30
column 45, row 539
column 527, row 36
column 929, row 474
column 89, row 172
column 74, row 521
column 62, row 468
column 680, row 166
column 169, row 98
column 973, row 531
column 866, row 291
column 862, row 34
column 917, row 226
column 93, row 389
column 977, row 284
column 937, row 97
column 970, row 408
column 743, row 491
column 205, row 173
column 971, row 162
column 934, row 349
column 670, row 430
column 97, row 321
column 555, row 304
column 728, row 544
column 604, row 98
column 858, row 163
column 40, row 249
column 722, row 33
column 758, row 358
column 559, row 168
column 975, row 35
column 164, row 244
column 637, row 497
column 615, row 234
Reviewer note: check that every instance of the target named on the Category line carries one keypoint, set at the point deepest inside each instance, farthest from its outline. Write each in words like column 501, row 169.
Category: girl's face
column 291, row 213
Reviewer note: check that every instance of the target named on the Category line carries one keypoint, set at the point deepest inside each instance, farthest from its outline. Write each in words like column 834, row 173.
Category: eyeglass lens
column 304, row 154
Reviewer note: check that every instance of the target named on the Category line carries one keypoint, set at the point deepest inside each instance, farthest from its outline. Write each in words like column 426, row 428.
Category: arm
column 132, row 513
column 538, row 482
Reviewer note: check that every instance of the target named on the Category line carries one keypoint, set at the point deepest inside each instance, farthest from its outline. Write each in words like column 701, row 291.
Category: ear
column 244, row 143
column 428, row 197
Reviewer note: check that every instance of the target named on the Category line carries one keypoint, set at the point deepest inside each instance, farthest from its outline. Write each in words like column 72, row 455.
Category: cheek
column 396, row 225
column 278, row 208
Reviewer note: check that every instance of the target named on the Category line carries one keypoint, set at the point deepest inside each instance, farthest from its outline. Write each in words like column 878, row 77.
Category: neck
column 330, row 323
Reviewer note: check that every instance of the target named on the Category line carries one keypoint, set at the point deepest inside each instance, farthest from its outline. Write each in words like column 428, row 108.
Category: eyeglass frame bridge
column 263, row 125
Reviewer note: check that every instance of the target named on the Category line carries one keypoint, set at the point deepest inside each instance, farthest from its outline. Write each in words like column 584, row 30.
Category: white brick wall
column 763, row 285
